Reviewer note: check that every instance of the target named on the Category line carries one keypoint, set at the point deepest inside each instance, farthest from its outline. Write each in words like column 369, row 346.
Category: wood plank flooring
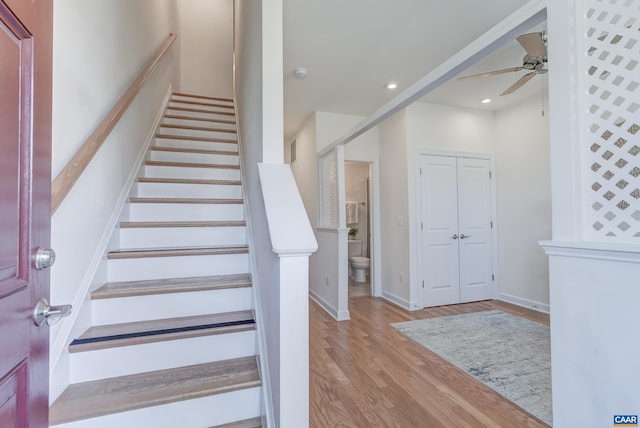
column 364, row 373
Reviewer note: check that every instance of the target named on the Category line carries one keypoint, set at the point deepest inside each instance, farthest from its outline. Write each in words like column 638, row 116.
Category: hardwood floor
column 364, row 373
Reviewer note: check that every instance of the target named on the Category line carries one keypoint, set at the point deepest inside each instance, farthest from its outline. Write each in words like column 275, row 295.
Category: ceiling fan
column 534, row 61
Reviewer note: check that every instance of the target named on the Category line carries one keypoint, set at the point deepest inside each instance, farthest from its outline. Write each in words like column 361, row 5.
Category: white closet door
column 474, row 219
column 456, row 230
column 440, row 229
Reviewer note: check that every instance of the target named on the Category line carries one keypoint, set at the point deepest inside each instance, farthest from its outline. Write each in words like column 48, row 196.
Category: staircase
column 173, row 336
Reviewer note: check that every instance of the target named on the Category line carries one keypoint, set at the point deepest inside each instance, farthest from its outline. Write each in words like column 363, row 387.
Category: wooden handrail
column 72, row 171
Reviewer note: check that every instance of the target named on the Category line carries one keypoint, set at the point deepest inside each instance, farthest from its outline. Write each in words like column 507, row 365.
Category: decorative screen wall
column 329, row 190
column 613, row 100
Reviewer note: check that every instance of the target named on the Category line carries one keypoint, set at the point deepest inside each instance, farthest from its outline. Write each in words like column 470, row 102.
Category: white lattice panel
column 612, row 86
column 329, row 190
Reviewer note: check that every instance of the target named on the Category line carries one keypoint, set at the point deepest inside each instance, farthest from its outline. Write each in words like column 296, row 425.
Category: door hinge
column 491, row 225
column 489, row 174
column 420, row 171
column 422, row 283
column 421, row 226
column 493, row 277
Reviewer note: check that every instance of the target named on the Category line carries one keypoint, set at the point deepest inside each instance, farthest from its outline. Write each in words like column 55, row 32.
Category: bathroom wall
column 356, row 184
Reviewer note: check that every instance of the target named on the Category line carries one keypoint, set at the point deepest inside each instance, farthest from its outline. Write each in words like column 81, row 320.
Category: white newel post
column 294, row 340
column 292, row 239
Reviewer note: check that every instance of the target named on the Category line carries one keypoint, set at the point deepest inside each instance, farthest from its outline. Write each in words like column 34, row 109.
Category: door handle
column 463, row 236
column 43, row 312
column 454, row 236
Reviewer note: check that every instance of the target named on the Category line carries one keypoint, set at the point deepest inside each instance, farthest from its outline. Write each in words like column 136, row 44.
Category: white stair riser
column 209, row 116
column 155, row 171
column 225, row 107
column 157, row 155
column 176, row 267
column 172, row 305
column 197, row 132
column 197, row 413
column 150, row 237
column 126, row 360
column 192, row 144
column 201, row 123
column 175, row 98
column 185, row 212
column 187, row 190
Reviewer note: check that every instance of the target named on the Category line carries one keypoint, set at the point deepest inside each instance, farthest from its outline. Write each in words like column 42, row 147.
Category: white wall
column 524, row 203
column 440, row 127
column 257, row 55
column 205, row 38
column 99, row 49
column 394, row 209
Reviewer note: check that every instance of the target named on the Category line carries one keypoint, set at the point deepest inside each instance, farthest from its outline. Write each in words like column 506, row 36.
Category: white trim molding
column 525, row 303
column 335, row 314
column 626, row 253
column 398, row 301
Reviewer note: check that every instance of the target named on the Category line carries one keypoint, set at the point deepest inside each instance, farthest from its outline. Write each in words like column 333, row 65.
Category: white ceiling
column 353, row 48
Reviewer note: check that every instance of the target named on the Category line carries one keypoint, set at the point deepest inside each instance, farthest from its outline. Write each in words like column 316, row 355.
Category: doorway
column 456, row 228
column 359, row 225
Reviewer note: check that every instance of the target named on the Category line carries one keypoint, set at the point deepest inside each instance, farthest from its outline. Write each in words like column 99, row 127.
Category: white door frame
column 416, row 215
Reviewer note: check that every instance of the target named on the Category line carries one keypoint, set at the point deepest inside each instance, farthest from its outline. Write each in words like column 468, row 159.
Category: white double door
column 456, row 230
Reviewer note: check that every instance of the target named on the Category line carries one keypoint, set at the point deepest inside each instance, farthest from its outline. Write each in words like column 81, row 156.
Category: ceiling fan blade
column 524, row 79
column 491, row 73
column 533, row 44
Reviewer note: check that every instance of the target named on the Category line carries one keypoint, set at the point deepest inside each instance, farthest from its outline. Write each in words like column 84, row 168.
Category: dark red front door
column 25, row 217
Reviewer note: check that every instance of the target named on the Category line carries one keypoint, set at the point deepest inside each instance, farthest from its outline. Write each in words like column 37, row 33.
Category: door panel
column 456, row 230
column 440, row 224
column 474, row 201
column 25, row 215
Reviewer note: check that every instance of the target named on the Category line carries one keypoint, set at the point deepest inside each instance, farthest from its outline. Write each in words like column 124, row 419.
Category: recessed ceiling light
column 485, row 100
column 392, row 85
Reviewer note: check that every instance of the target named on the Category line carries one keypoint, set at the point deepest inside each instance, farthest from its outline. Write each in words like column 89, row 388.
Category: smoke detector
column 300, row 73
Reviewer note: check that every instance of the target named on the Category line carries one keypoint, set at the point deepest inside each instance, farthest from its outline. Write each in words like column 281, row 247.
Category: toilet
column 358, row 265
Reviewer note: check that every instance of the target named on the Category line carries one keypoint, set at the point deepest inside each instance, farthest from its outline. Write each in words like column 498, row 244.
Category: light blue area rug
column 509, row 354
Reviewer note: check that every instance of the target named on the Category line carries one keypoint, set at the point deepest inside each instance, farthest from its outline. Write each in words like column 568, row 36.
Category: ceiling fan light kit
column 534, row 61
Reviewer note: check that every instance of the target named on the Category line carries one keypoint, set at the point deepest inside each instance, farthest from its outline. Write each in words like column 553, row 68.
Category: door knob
column 43, row 312
column 463, row 236
column 44, row 258
column 454, row 236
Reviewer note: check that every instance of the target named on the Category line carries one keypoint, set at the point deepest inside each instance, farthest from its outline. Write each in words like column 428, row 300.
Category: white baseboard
column 63, row 337
column 398, row 301
column 525, row 303
column 335, row 314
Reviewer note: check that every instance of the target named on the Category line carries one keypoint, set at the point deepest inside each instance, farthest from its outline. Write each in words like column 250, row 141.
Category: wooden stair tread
column 247, row 423
column 189, row 181
column 102, row 397
column 199, row 103
column 136, row 253
column 164, row 224
column 201, row 119
column 205, row 97
column 134, row 333
column 171, row 285
column 189, row 150
column 193, row 138
column 190, row 164
column 140, row 200
column 200, row 110
column 197, row 128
